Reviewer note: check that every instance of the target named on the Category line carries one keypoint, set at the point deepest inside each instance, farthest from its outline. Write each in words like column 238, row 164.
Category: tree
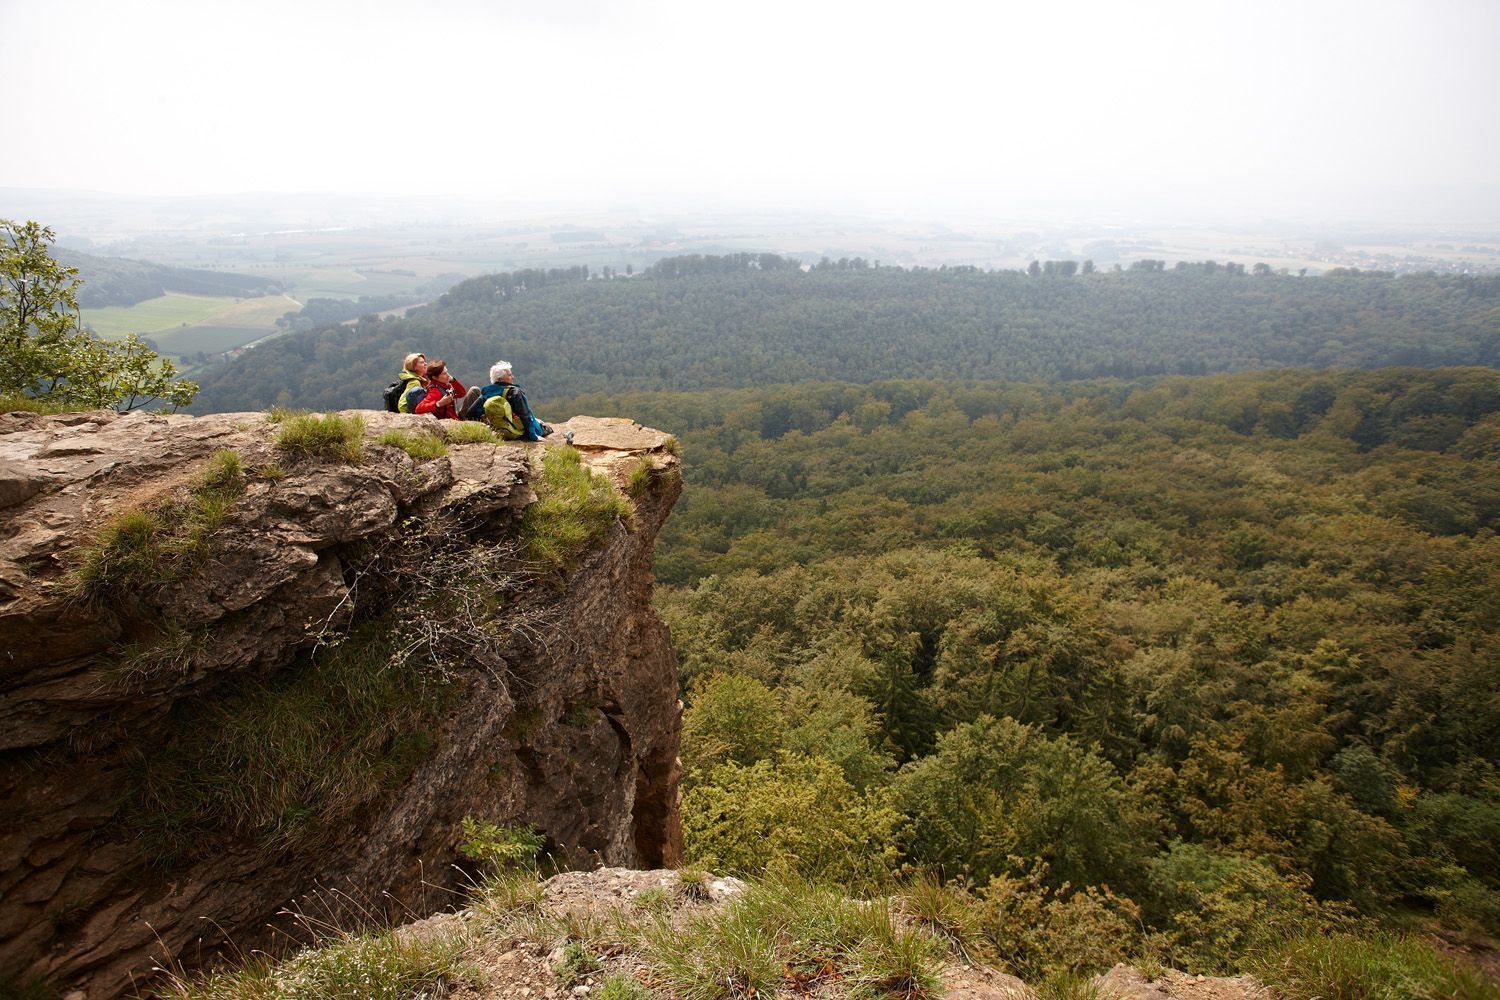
column 45, row 353
column 997, row 789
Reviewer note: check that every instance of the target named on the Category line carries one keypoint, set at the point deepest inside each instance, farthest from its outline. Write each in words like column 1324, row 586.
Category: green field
column 154, row 315
column 185, row 324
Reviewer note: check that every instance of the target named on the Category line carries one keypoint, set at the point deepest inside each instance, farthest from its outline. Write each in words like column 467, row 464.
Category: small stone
column 580, row 991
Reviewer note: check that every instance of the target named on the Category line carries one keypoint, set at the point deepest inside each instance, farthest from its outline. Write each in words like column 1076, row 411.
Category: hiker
column 445, row 398
column 403, row 395
column 503, row 404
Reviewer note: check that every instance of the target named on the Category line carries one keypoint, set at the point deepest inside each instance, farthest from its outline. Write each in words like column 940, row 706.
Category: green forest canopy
column 1195, row 638
column 696, row 323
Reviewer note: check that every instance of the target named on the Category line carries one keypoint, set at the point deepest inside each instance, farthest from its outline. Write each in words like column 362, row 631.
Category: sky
column 1382, row 110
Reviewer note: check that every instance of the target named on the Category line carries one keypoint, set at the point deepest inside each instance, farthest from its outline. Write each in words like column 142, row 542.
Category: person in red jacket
column 445, row 397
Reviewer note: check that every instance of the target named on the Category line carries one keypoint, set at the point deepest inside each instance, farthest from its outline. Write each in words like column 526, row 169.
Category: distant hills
column 114, row 281
column 743, row 320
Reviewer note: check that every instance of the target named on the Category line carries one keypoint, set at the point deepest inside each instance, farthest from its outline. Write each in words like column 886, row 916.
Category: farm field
column 166, row 312
column 186, row 324
column 246, row 321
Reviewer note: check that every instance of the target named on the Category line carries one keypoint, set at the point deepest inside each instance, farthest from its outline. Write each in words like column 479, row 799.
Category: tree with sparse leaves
column 45, row 354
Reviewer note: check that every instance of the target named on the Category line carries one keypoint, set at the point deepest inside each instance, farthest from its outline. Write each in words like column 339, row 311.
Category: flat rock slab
column 613, row 434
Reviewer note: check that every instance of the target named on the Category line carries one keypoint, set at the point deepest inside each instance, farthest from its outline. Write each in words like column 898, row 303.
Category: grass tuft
column 1379, row 966
column 622, row 988
column 574, row 512
column 383, row 966
column 129, row 552
column 271, row 471
column 278, row 414
column 577, row 962
column 15, row 402
column 786, row 934
column 640, row 478
column 507, row 899
column 948, row 911
column 330, row 436
column 172, row 654
column 1067, row 986
column 420, row 446
column 469, row 432
column 145, row 549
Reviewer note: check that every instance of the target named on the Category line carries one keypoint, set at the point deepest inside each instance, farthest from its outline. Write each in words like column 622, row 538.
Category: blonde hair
column 411, row 358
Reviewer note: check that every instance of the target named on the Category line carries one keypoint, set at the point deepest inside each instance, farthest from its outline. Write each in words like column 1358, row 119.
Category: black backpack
column 393, row 393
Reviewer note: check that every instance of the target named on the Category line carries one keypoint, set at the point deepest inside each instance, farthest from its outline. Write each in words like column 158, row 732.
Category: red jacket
column 436, row 393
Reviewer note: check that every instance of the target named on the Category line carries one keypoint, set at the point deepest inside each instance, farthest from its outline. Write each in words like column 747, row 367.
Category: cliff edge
column 251, row 665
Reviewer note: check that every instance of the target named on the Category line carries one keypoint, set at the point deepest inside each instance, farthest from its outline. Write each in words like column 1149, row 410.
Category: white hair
column 497, row 369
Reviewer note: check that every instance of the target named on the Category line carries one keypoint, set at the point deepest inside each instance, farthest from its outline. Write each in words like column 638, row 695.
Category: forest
column 743, row 320
column 1186, row 664
column 114, row 281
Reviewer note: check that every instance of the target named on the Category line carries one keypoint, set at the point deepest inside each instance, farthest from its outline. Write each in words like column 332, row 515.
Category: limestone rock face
column 570, row 725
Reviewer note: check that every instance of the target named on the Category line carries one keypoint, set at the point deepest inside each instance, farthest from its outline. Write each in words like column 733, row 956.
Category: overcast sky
column 1383, row 109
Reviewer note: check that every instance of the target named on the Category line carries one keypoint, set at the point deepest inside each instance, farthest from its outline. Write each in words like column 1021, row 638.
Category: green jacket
column 405, row 403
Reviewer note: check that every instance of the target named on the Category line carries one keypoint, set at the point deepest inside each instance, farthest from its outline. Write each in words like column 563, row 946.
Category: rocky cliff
column 245, row 670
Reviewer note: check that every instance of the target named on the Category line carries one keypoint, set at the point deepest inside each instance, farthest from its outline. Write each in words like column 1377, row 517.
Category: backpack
column 392, row 396
column 395, row 391
column 502, row 418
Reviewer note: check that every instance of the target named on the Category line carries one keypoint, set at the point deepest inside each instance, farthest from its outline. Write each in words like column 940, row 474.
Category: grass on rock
column 147, row 548
column 574, row 512
column 383, row 966
column 640, row 478
column 469, row 432
column 421, row 446
column 1378, row 966
column 786, row 933
column 285, row 759
column 332, row 437
column 278, row 414
column 15, row 402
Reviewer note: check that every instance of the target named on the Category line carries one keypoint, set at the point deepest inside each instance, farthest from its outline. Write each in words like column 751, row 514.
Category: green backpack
column 502, row 418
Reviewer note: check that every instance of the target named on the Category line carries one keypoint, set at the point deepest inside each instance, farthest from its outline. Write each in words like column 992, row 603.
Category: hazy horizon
column 1329, row 111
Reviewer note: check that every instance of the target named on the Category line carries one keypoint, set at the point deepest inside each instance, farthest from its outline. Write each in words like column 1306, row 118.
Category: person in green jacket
column 413, row 378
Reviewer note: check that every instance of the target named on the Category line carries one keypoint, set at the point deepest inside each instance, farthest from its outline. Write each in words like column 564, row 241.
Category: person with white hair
column 503, row 405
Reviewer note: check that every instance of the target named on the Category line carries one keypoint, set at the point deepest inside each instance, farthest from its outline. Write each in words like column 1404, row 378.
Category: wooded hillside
column 1226, row 645
column 707, row 323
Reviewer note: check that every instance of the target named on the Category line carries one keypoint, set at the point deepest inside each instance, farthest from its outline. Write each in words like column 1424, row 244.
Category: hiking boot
column 468, row 404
